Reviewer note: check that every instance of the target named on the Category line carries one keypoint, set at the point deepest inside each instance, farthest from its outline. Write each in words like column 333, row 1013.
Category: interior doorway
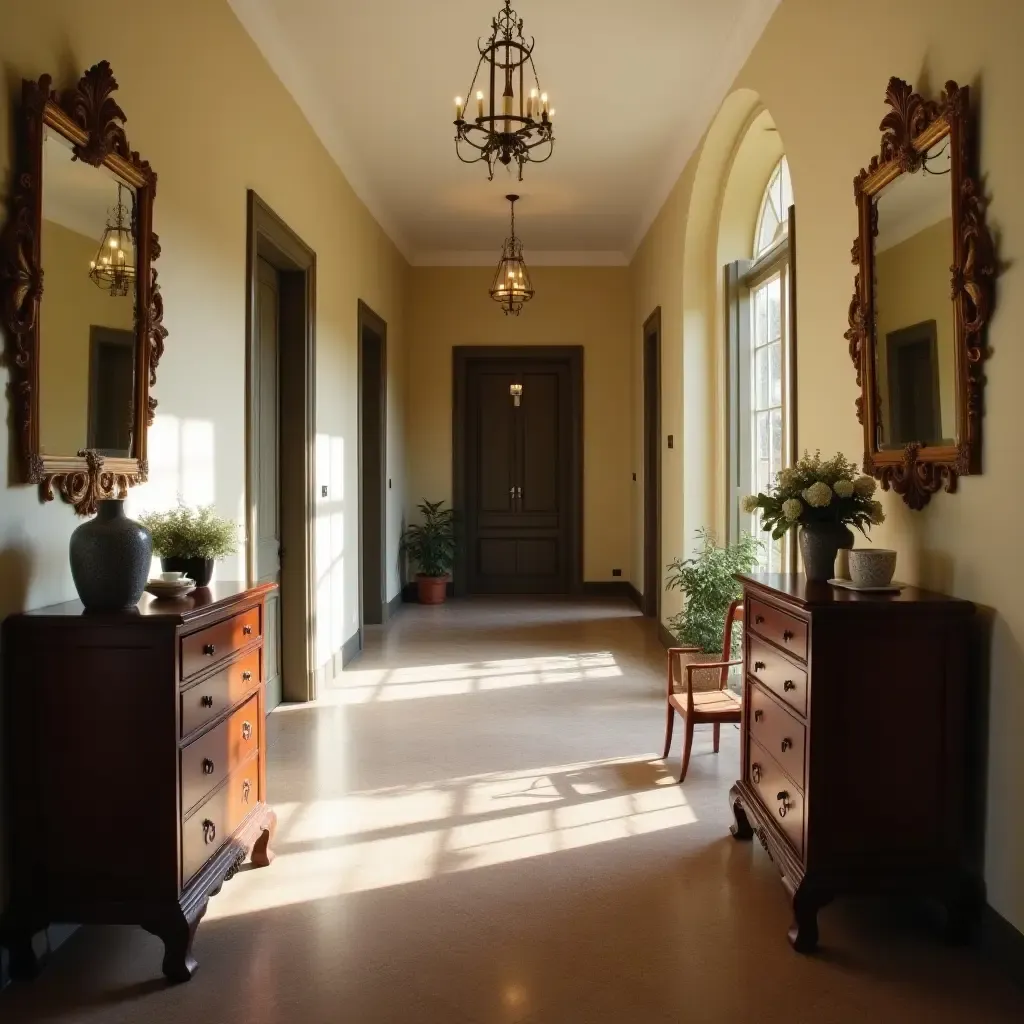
column 280, row 299
column 652, row 465
column 518, row 460
column 373, row 482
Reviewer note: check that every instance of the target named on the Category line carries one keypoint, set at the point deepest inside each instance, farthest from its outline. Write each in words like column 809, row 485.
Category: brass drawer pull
column 789, row 685
column 759, row 666
column 755, row 772
column 209, row 832
column 758, row 715
column 208, row 766
column 206, row 702
column 783, row 799
column 787, row 636
column 758, row 619
column 246, row 676
column 247, row 631
column 245, row 791
column 209, row 650
column 246, row 731
column 786, row 744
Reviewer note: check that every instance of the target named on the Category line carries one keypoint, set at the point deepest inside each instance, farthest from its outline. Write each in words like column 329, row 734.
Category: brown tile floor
column 475, row 829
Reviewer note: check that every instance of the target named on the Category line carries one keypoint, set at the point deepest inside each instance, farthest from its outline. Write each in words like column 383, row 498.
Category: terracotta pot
column 431, row 589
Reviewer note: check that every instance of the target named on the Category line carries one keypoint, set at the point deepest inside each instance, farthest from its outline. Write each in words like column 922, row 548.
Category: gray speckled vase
column 110, row 559
column 819, row 545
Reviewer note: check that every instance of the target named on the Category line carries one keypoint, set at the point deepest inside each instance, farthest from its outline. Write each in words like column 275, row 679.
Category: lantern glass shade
column 113, row 266
column 512, row 285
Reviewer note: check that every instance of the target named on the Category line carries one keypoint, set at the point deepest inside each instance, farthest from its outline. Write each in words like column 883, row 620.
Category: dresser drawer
column 207, row 761
column 210, row 646
column 778, row 674
column 213, row 696
column 787, row 631
column 783, row 800
column 243, row 790
column 779, row 732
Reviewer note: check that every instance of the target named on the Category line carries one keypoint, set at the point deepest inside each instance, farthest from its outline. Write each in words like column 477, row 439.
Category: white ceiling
column 635, row 85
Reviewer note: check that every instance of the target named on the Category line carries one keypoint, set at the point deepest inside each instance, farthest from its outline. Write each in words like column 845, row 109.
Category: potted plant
column 190, row 540
column 431, row 545
column 708, row 584
column 822, row 497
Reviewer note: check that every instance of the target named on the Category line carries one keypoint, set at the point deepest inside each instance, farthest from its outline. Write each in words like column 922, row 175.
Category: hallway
column 475, row 828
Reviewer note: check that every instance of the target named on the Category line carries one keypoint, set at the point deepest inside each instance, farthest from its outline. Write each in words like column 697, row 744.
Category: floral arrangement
column 183, row 532
column 818, row 491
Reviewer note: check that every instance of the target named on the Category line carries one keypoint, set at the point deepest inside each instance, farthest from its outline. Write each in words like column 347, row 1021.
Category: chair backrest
column 733, row 615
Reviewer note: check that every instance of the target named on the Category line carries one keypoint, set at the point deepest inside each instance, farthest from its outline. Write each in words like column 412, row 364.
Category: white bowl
column 872, row 567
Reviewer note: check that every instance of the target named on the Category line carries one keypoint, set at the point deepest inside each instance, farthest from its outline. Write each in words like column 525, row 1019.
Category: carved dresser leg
column 807, row 901
column 262, row 855
column 740, row 829
column 178, row 931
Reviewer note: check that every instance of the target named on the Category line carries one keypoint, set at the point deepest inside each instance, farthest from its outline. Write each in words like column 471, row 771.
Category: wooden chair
column 696, row 702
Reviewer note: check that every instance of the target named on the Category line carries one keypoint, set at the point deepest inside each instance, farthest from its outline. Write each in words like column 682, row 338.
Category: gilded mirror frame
column 911, row 127
column 92, row 122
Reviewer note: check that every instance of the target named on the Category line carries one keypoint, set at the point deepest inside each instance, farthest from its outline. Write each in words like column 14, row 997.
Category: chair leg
column 718, row 735
column 670, row 721
column 687, row 744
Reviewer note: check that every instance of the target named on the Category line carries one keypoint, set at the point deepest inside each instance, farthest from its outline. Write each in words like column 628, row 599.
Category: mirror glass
column 87, row 314
column 915, row 329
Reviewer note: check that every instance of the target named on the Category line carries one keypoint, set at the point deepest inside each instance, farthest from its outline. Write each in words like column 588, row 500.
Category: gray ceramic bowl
column 872, row 567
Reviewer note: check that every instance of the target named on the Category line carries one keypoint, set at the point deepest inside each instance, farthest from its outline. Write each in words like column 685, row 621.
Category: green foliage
column 183, row 532
column 707, row 582
column 431, row 544
column 817, row 490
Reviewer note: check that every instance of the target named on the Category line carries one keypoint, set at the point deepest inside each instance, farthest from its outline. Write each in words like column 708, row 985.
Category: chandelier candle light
column 512, row 285
column 516, row 123
column 113, row 269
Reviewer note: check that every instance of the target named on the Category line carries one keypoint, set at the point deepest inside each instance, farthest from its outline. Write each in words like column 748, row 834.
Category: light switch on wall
column 323, row 491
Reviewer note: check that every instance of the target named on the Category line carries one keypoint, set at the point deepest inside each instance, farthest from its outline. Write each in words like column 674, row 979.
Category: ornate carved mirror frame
column 89, row 118
column 911, row 127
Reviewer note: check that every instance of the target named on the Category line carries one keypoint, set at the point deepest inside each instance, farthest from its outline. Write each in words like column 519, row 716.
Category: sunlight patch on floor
column 398, row 835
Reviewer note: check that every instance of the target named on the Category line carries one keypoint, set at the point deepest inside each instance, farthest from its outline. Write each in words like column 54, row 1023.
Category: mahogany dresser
column 137, row 764
column 854, row 749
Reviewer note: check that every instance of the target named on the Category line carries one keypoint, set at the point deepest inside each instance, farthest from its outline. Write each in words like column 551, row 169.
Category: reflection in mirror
column 915, row 354
column 87, row 316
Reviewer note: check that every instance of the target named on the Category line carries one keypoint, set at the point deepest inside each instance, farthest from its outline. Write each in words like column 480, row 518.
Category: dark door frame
column 652, row 464
column 462, row 356
column 269, row 238
column 367, row 319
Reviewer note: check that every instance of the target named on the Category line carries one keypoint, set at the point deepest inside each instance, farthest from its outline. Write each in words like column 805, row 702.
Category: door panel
column 518, row 461
column 267, row 433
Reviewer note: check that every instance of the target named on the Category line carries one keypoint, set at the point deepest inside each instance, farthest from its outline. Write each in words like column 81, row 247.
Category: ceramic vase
column 198, row 569
column 110, row 559
column 819, row 545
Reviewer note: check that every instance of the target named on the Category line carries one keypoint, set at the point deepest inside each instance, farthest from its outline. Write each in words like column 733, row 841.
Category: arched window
column 773, row 217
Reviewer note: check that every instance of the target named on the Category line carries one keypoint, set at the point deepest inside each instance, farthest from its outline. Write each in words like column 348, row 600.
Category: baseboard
column 352, row 648
column 1002, row 943
column 392, row 606
column 607, row 588
column 635, row 596
column 666, row 637
column 409, row 592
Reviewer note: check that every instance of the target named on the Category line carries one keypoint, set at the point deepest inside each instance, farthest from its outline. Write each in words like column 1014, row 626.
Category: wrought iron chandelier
column 512, row 285
column 113, row 269
column 513, row 125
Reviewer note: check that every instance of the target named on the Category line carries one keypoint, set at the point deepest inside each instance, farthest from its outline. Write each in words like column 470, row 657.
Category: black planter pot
column 198, row 569
column 110, row 559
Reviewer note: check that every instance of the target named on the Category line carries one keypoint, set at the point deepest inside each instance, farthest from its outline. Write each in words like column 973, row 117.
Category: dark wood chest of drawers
column 854, row 749
column 137, row 760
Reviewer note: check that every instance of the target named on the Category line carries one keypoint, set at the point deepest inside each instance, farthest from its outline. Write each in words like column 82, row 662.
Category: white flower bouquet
column 818, row 491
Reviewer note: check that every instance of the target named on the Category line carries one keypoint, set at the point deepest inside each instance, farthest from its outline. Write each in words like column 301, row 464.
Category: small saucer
column 889, row 588
column 166, row 591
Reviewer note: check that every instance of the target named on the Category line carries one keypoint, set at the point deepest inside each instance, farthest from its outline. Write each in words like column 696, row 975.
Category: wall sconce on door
column 516, row 391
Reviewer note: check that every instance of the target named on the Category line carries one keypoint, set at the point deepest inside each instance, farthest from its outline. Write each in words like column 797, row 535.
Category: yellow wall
column 73, row 305
column 821, row 70
column 588, row 306
column 206, row 110
column 912, row 282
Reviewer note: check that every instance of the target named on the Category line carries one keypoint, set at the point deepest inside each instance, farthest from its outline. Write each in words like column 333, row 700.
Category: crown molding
column 747, row 30
column 263, row 27
column 534, row 258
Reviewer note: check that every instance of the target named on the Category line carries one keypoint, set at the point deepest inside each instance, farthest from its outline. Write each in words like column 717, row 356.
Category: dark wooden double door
column 520, row 465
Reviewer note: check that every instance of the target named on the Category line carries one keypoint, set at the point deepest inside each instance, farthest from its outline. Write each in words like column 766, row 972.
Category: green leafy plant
column 708, row 584
column 817, row 491
column 185, row 532
column 431, row 544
